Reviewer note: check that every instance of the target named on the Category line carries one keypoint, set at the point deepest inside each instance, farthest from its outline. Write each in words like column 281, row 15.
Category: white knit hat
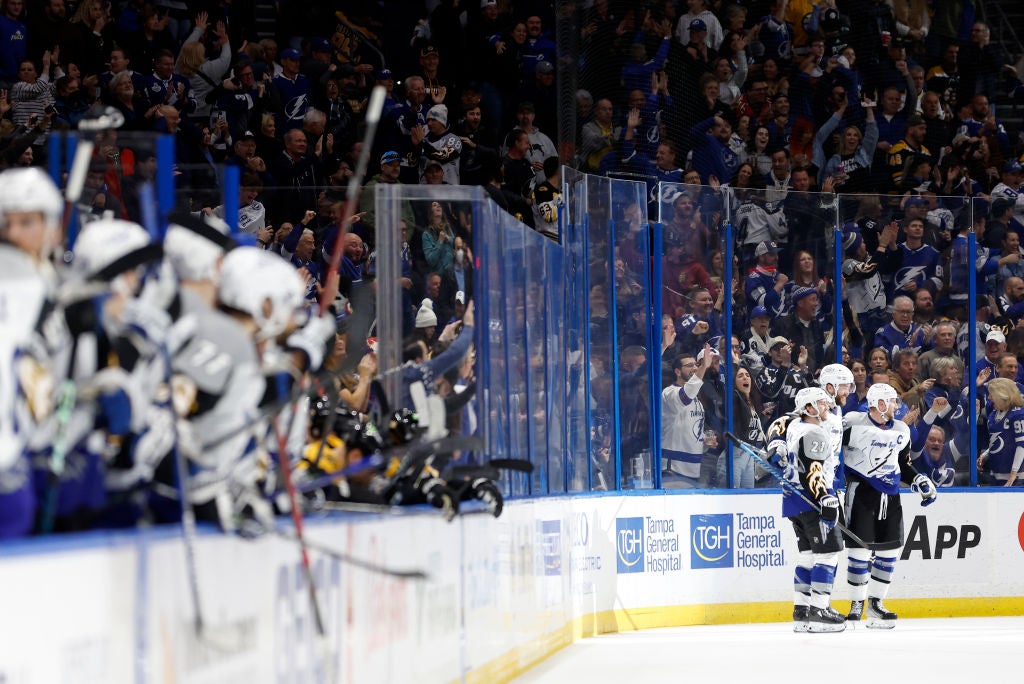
column 425, row 317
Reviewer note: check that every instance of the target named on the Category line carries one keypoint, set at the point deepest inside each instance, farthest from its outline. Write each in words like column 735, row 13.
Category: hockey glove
column 778, row 453
column 313, row 339
column 829, row 512
column 926, row 488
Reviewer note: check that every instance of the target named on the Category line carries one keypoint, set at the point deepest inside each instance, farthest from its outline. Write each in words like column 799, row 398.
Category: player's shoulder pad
column 854, row 418
column 778, row 427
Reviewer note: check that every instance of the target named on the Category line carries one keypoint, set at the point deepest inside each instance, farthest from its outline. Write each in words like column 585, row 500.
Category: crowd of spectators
column 788, row 120
column 784, row 119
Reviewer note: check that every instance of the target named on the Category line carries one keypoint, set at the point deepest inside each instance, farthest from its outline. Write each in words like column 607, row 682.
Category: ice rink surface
column 939, row 650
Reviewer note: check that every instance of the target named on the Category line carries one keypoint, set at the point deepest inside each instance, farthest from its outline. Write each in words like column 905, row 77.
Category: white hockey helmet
column 883, row 398
column 813, row 396
column 194, row 246
column 262, row 285
column 108, row 247
column 837, row 375
column 31, row 189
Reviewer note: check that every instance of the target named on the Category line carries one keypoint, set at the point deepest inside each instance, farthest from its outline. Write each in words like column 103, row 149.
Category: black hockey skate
column 878, row 616
column 821, row 620
column 856, row 611
column 800, row 615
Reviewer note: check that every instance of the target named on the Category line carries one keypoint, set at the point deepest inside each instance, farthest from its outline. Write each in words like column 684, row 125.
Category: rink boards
column 502, row 594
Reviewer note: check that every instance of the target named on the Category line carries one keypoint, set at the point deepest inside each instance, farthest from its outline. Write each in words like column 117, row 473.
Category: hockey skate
column 878, row 616
column 800, row 614
column 856, row 611
column 820, row 620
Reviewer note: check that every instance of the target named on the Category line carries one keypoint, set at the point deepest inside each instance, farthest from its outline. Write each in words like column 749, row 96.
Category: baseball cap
column 384, row 74
column 247, row 135
column 545, row 67
column 766, row 247
column 915, row 201
column 758, row 311
column 432, row 163
column 428, row 50
column 389, row 157
column 698, row 25
column 776, row 341
column 914, row 120
column 700, row 354
column 321, row 45
column 291, row 53
column 526, row 106
column 995, row 336
column 488, row 3
column 1013, row 166
column 460, row 297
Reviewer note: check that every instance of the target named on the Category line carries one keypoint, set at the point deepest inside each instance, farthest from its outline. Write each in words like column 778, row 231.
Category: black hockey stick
column 760, row 457
column 356, row 562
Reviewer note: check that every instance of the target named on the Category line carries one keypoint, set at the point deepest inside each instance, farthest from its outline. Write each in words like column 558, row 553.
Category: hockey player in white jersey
column 877, row 459
column 809, row 462
column 30, row 211
column 837, row 381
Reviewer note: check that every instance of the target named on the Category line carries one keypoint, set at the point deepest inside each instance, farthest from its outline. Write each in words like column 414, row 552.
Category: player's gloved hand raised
column 926, row 488
column 829, row 512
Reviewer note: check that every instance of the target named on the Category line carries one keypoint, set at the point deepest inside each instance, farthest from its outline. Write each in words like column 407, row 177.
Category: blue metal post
column 656, row 250
column 232, row 178
column 972, row 334
column 727, row 348
column 70, row 145
column 585, row 305
column 54, row 147
column 164, row 179
column 837, row 289
column 614, row 340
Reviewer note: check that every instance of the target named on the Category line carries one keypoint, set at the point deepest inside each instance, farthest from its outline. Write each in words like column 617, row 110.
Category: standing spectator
column 540, row 145
column 204, row 75
column 778, row 382
column 13, row 40
column 441, row 145
column 294, row 89
column 118, row 62
column 698, row 11
column 982, row 62
column 390, row 172
column 435, row 88
column 712, row 155
column 146, row 43
column 539, row 47
column 438, row 240
column 518, row 172
column 682, row 422
column 540, row 90
column 764, row 284
column 95, row 35
column 299, row 174
column 478, row 146
column 164, row 87
column 804, row 331
column 33, row 92
column 944, row 348
column 904, row 154
column 850, row 167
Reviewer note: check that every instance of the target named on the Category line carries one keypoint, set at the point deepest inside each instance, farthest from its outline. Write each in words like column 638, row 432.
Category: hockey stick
column 759, row 456
column 359, row 563
column 293, row 497
column 408, row 452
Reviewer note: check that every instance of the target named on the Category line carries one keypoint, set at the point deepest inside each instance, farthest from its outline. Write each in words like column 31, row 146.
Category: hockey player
column 809, row 463
column 878, row 457
column 837, row 381
column 30, row 208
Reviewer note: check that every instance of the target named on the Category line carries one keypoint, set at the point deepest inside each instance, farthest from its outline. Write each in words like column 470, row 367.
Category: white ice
column 925, row 650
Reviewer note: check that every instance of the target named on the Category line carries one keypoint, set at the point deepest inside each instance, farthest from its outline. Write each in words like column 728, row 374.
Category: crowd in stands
column 789, row 120
column 784, row 119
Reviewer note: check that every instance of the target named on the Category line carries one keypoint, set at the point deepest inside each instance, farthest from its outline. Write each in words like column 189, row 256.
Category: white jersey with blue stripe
column 872, row 450
column 682, row 428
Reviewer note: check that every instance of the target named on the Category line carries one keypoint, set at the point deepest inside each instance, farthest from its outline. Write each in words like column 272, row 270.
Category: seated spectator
column 804, row 331
column 779, row 381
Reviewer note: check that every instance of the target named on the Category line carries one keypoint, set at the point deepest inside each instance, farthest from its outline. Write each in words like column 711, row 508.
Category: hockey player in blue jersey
column 809, row 462
column 877, row 459
column 1005, row 453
